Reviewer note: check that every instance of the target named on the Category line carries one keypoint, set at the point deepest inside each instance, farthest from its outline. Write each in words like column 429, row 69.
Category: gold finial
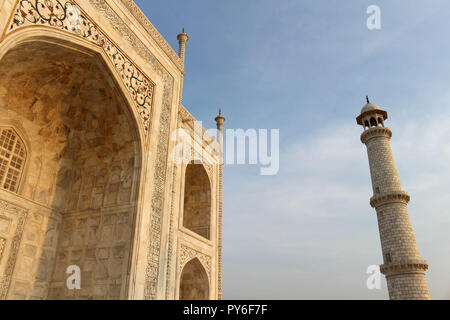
column 182, row 30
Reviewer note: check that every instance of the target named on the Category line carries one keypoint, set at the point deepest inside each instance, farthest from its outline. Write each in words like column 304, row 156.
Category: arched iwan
column 84, row 170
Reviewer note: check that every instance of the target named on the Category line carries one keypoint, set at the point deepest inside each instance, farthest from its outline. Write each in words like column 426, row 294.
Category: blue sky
column 304, row 67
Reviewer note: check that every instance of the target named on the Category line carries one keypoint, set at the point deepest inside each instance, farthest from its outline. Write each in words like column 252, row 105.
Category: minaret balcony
column 375, row 132
column 406, row 266
column 396, row 196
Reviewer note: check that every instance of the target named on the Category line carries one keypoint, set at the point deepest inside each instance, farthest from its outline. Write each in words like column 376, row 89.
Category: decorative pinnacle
column 220, row 118
column 183, row 36
column 182, row 39
column 367, row 99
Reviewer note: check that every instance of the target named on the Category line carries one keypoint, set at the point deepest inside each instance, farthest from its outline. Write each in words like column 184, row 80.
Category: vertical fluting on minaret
column 403, row 267
column 182, row 39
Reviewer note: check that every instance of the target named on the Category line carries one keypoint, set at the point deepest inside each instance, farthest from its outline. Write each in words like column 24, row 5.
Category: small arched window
column 12, row 159
column 373, row 122
column 366, row 124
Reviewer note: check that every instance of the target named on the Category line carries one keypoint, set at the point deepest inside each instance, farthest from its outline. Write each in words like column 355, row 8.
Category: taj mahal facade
column 93, row 183
column 91, row 100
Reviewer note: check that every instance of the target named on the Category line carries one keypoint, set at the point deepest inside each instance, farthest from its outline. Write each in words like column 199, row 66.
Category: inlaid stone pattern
column 187, row 254
column 137, row 13
column 2, row 247
column 65, row 15
column 14, row 219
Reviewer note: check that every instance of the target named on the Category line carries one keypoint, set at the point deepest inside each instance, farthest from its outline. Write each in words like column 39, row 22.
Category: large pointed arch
column 194, row 282
column 59, row 38
column 66, row 17
column 62, row 45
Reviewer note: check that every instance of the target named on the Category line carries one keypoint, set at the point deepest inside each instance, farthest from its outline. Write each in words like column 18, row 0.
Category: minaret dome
column 371, row 116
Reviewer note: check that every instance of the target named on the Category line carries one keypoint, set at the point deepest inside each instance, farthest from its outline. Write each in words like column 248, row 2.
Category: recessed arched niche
column 83, row 169
column 194, row 284
column 197, row 200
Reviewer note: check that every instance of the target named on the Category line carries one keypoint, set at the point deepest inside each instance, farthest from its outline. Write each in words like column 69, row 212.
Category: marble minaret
column 403, row 267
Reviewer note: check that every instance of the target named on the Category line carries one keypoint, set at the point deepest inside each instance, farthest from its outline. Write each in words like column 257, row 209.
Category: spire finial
column 182, row 39
column 220, row 118
column 367, row 99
